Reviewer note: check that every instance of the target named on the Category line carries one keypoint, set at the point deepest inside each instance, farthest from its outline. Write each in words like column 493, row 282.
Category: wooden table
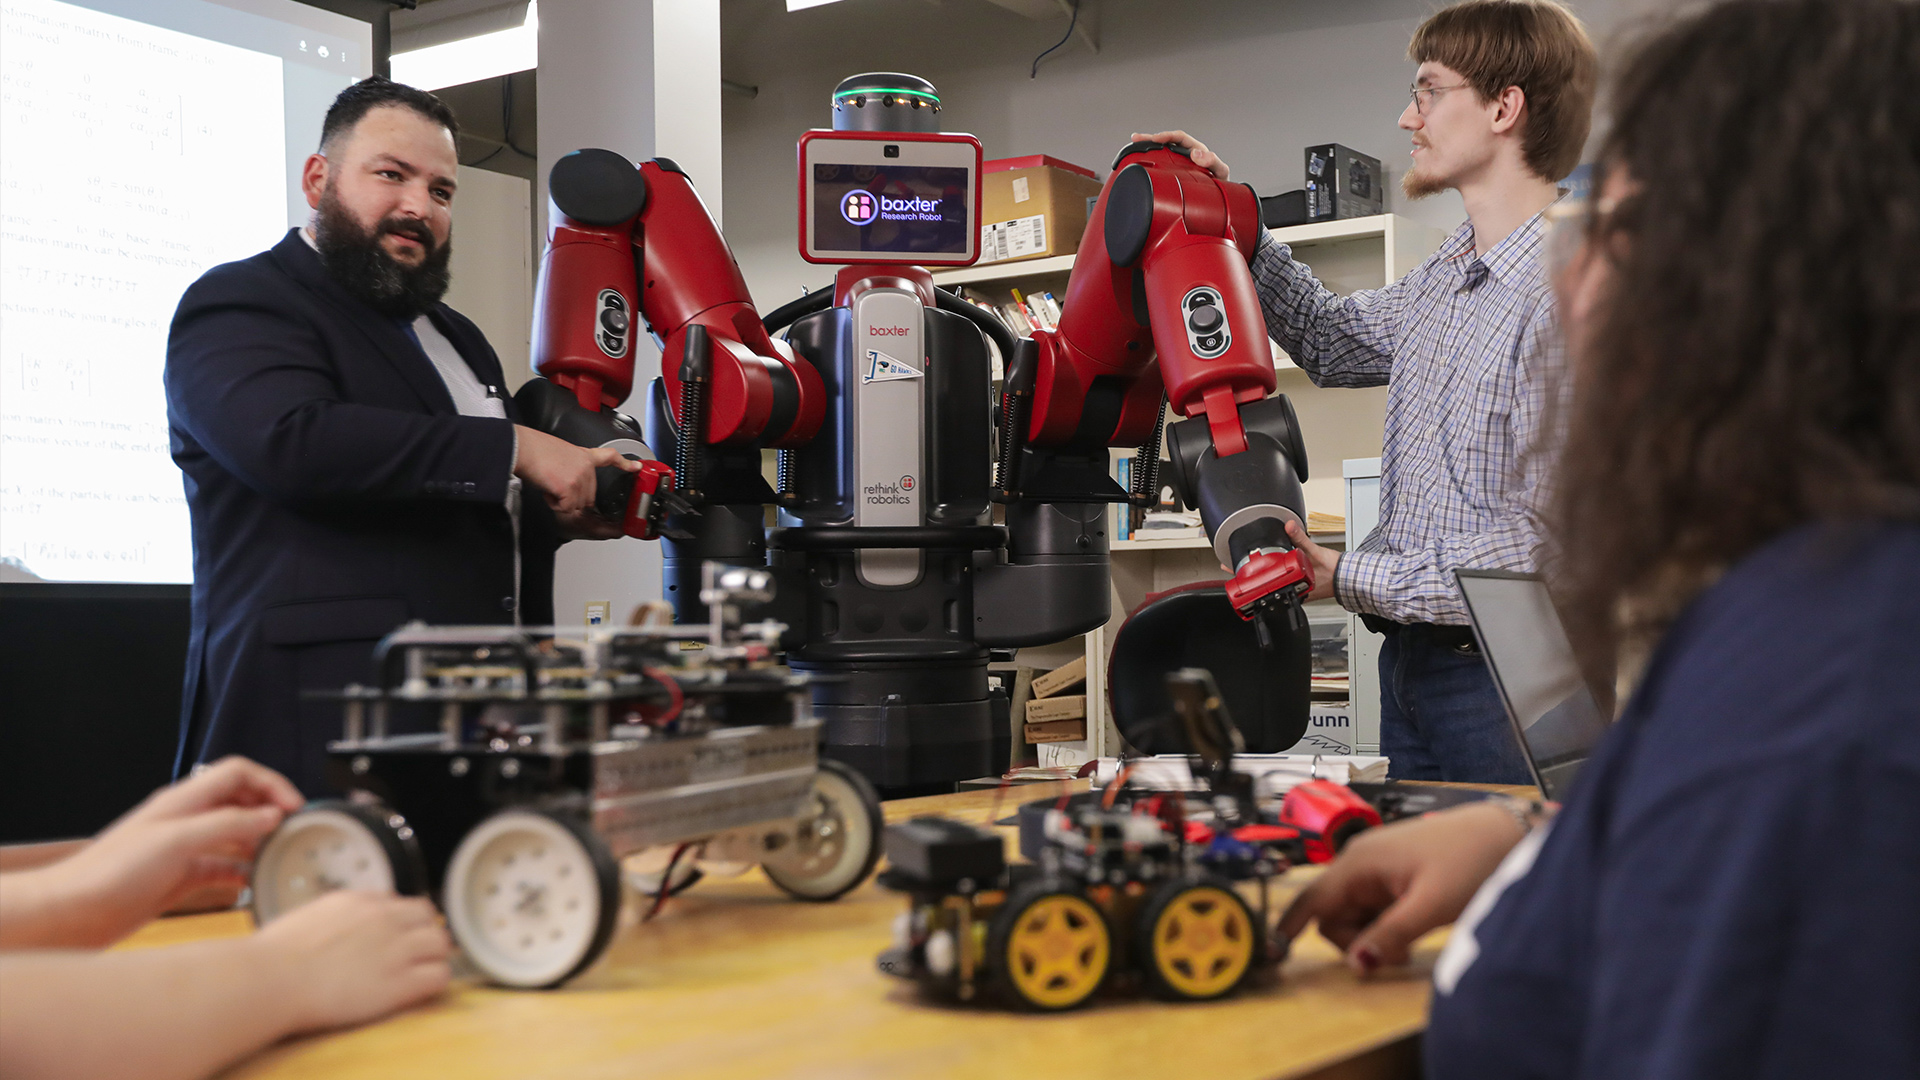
column 735, row 982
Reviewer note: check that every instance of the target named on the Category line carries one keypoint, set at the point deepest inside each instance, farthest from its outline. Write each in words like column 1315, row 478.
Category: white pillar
column 640, row 78
column 686, row 79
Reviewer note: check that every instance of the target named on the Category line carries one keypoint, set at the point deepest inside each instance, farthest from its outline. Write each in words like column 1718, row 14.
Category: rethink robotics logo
column 890, row 494
column 859, row 207
column 863, row 208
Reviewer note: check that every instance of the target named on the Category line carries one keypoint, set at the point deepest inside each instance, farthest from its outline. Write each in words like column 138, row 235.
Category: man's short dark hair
column 371, row 93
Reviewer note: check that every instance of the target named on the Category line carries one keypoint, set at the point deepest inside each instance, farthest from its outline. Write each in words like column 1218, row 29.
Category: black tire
column 1200, row 907
column 277, row 888
column 582, row 874
column 1050, row 908
column 862, row 826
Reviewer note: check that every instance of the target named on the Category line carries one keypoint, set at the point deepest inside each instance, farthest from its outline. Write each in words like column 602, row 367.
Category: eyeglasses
column 1422, row 103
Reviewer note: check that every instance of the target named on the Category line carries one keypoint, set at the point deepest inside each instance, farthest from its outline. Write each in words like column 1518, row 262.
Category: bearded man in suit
column 349, row 447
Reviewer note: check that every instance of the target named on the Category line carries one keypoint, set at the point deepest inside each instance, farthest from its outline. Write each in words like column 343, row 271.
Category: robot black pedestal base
column 913, row 727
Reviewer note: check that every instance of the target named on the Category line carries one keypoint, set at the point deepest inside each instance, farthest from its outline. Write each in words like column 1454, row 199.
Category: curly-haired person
column 1729, row 891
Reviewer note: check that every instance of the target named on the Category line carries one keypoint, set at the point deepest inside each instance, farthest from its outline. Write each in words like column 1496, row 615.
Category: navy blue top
column 1733, row 889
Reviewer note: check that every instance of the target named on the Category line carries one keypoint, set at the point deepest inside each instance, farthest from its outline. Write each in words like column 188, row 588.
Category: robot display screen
column 891, row 209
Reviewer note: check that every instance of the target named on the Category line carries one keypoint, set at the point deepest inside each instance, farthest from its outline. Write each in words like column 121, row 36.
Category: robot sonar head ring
column 885, row 101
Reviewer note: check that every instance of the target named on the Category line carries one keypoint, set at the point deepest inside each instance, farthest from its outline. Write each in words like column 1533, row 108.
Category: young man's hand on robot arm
column 1161, row 287
column 1202, row 156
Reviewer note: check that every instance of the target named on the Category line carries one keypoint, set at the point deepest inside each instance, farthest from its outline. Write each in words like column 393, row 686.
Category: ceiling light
column 802, row 5
column 486, row 56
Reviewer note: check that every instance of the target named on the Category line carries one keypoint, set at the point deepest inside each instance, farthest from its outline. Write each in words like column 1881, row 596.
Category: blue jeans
column 1441, row 717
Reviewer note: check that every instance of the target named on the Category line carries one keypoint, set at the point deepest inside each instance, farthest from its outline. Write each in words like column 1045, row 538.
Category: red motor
column 1327, row 815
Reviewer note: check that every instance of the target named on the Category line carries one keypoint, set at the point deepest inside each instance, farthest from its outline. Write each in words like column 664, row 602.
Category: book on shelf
column 1010, row 316
column 1035, row 312
column 1017, row 318
column 1023, row 314
column 1169, row 525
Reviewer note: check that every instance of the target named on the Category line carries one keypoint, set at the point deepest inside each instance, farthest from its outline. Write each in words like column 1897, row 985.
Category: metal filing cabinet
column 1362, row 477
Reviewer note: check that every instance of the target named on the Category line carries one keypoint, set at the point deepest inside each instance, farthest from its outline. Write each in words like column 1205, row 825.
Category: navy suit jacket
column 335, row 494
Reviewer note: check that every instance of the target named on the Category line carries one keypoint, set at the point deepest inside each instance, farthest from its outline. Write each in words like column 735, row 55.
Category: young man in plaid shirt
column 1466, row 343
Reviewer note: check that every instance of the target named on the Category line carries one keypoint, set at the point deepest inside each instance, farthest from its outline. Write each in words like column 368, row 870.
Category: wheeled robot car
column 1120, row 881
column 557, row 755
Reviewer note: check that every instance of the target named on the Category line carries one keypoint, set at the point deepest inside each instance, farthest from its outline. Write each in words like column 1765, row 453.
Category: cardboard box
column 1033, row 207
column 1069, row 707
column 1069, row 674
column 1057, row 731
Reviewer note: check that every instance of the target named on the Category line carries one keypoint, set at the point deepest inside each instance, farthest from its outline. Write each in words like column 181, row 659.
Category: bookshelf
column 1347, row 256
column 1022, row 270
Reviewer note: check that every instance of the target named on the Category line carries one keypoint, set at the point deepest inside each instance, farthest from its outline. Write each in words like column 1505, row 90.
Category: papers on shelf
column 1036, row 772
column 1169, row 525
column 1274, row 774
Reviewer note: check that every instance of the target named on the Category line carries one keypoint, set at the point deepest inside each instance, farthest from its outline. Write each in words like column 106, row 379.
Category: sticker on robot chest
column 883, row 368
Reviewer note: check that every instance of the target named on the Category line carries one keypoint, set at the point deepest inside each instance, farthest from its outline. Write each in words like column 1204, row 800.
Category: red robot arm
column 1162, row 274
column 641, row 240
column 626, row 241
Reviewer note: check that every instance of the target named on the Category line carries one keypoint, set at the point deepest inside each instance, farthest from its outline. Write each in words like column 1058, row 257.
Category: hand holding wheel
column 335, row 845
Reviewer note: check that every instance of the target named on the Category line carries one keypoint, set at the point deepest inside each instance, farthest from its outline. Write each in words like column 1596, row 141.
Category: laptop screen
column 1549, row 702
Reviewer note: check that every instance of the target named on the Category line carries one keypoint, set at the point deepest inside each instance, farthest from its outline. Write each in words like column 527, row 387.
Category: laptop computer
column 1552, row 709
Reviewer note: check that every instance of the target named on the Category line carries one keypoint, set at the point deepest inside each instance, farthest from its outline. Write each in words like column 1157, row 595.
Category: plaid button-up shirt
column 1466, row 344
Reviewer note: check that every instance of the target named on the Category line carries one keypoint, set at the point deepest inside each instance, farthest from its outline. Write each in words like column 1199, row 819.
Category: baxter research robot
column 892, row 445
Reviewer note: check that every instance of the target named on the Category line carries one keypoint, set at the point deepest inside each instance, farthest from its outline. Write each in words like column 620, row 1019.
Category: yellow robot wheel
column 1049, row 947
column 1196, row 939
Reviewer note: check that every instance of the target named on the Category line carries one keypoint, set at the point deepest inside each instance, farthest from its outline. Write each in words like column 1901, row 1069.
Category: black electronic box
column 1343, row 183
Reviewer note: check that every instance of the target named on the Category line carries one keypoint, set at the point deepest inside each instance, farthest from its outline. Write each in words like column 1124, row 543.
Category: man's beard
column 1416, row 184
column 358, row 261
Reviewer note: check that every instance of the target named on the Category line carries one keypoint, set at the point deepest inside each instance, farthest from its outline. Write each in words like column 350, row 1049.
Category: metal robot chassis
column 561, row 752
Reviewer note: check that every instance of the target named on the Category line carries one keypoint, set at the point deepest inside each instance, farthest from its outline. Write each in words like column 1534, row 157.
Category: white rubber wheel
column 836, row 839
column 328, row 846
column 531, row 898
